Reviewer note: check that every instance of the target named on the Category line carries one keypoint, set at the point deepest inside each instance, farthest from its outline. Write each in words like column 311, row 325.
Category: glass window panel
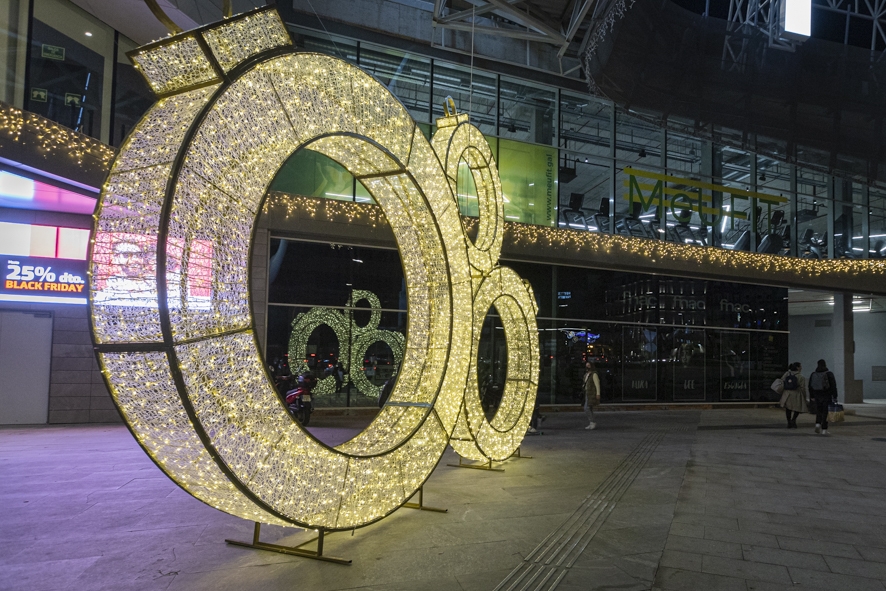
column 132, row 96
column 877, row 198
column 527, row 112
column 407, row 77
column 332, row 272
column 637, row 141
column 684, row 155
column 639, row 356
column 878, row 232
column 687, row 363
column 529, row 182
column 13, row 47
column 474, row 95
column 585, row 125
column 72, row 55
column 326, row 44
column 635, row 211
column 585, row 190
column 312, row 174
column 576, row 343
column 735, row 361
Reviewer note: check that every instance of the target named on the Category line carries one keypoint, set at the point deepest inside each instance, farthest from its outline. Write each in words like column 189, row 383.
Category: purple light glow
column 41, row 196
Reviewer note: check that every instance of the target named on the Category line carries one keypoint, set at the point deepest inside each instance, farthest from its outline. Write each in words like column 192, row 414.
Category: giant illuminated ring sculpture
column 353, row 341
column 169, row 281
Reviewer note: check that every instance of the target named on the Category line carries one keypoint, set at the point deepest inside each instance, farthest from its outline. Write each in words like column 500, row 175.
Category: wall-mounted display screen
column 125, row 271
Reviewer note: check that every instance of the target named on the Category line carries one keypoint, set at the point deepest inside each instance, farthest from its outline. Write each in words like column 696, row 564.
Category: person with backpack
column 794, row 397
column 822, row 389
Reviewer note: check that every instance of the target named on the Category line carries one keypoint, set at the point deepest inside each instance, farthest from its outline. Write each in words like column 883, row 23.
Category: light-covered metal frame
column 171, row 316
column 353, row 341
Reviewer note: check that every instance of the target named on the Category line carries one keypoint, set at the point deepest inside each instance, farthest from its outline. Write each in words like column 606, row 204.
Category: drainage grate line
column 569, row 541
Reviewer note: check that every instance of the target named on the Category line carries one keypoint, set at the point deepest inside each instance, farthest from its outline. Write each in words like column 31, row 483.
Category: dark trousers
column 787, row 414
column 821, row 410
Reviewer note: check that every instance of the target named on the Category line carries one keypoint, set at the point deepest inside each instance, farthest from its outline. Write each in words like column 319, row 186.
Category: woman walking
column 823, row 388
column 591, row 382
column 795, row 396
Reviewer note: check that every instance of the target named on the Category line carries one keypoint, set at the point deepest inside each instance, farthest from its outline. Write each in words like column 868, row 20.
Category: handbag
column 778, row 386
column 835, row 413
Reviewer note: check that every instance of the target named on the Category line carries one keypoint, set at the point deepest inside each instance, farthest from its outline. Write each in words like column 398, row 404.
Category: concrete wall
column 809, row 343
column 77, row 392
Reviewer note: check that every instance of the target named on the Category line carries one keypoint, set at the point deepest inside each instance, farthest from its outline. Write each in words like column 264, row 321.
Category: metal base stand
column 486, row 466
column 420, row 505
column 517, row 454
column 291, row 550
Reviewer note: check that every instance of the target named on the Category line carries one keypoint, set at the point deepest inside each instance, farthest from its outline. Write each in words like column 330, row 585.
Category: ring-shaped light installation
column 185, row 371
column 475, row 437
column 354, row 340
column 170, row 274
column 457, row 141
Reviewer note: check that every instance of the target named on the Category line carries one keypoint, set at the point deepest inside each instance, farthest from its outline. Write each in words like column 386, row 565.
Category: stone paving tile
column 688, row 530
column 681, row 560
column 826, row 548
column 745, row 570
column 784, row 557
column 683, row 580
column 861, row 568
column 834, row 582
column 868, row 553
column 736, row 508
column 700, row 547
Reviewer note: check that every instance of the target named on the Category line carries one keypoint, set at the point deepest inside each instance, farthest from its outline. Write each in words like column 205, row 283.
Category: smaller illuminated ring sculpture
column 475, row 437
column 353, row 341
column 169, row 278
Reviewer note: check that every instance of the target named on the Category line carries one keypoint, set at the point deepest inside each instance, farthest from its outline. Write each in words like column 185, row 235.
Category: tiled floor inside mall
column 696, row 500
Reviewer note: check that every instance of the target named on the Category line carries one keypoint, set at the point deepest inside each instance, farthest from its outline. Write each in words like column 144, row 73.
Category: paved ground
column 696, row 500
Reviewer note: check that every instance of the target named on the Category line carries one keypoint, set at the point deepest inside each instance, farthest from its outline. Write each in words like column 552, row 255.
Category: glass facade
column 574, row 161
column 653, row 338
column 566, row 159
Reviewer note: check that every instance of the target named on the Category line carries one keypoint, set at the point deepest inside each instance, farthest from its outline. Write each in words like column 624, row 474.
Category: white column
column 843, row 363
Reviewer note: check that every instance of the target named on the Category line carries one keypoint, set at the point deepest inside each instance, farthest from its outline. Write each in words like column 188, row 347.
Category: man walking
column 822, row 389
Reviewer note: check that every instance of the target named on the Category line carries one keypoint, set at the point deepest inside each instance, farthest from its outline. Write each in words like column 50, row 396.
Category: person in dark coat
column 823, row 390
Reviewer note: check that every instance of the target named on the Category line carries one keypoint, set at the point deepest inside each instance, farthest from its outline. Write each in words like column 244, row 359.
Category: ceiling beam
column 529, row 21
column 466, row 14
column 579, row 12
column 513, row 33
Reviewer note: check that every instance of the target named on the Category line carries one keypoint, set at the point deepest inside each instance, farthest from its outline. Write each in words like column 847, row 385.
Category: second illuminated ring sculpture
column 169, row 279
column 353, row 341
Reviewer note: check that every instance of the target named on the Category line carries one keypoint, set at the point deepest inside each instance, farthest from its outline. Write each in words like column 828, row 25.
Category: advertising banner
column 528, row 182
column 37, row 279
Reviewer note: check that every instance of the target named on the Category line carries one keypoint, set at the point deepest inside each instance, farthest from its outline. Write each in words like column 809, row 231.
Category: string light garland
column 858, row 274
column 51, row 138
column 169, row 278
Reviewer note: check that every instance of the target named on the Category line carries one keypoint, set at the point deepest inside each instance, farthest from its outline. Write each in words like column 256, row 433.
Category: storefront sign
column 32, row 279
column 52, row 52
column 684, row 196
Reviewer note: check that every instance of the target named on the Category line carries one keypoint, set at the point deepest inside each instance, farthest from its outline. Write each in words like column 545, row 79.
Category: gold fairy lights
column 601, row 247
column 51, row 138
column 169, row 282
